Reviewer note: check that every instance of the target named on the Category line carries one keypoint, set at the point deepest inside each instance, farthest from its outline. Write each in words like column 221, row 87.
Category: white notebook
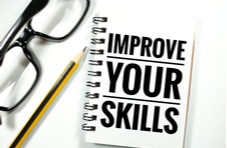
column 141, row 64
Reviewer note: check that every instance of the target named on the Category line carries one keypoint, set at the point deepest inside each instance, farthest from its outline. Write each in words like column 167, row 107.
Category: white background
column 61, row 126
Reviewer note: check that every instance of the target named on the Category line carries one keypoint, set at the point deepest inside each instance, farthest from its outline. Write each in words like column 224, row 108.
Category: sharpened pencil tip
column 85, row 48
column 78, row 57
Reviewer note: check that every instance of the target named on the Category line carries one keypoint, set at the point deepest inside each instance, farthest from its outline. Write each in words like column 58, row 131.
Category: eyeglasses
column 11, row 48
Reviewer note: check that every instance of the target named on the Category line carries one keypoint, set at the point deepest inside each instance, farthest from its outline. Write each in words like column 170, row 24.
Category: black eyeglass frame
column 27, row 35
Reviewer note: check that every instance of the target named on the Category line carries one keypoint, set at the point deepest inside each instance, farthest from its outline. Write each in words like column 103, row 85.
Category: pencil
column 48, row 99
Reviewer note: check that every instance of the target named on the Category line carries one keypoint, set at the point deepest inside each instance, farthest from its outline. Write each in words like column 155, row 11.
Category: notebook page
column 145, row 81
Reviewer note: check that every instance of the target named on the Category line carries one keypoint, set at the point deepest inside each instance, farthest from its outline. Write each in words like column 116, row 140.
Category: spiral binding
column 96, row 30
column 96, row 51
column 97, row 20
column 95, row 41
column 89, row 106
column 93, row 84
column 91, row 95
column 94, row 73
column 95, row 62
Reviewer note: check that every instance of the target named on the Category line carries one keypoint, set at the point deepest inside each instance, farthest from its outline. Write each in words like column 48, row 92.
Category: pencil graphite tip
column 78, row 58
column 85, row 48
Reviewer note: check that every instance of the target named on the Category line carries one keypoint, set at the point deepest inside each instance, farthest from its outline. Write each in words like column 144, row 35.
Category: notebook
column 139, row 81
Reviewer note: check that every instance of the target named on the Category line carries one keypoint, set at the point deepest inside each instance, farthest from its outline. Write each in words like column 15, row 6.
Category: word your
column 172, row 79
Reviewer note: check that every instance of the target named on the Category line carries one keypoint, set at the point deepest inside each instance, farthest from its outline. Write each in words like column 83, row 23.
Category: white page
column 152, row 120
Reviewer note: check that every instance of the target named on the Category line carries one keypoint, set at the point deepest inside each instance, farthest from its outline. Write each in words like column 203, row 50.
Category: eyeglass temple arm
column 32, row 9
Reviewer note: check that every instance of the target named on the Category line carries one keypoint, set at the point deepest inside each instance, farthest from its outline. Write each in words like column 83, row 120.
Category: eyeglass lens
column 56, row 22
column 15, row 84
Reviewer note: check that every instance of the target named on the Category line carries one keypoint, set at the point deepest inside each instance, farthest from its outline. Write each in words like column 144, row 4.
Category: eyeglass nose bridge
column 32, row 9
column 27, row 35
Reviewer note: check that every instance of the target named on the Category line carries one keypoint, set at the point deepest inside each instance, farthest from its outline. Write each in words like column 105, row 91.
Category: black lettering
column 170, row 48
column 110, row 43
column 136, row 117
column 122, row 115
column 171, row 120
column 145, row 47
column 144, row 119
column 113, row 76
column 137, row 79
column 156, row 120
column 135, row 42
column 158, row 48
column 180, row 50
column 121, row 46
column 147, row 81
column 170, row 83
column 110, row 121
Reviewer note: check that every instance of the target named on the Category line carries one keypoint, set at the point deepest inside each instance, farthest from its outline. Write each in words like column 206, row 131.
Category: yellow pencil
column 51, row 95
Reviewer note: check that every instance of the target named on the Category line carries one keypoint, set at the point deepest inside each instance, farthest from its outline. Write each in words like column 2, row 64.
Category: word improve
column 157, row 48
column 134, row 78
